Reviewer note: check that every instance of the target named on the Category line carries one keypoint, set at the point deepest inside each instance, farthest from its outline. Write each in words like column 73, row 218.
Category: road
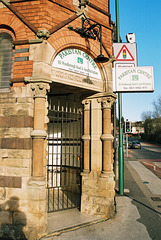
column 149, row 155
column 142, row 188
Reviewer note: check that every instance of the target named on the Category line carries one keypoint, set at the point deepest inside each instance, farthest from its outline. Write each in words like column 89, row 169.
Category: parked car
column 136, row 144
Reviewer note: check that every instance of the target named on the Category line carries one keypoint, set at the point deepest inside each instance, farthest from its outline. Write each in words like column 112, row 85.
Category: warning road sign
column 125, row 54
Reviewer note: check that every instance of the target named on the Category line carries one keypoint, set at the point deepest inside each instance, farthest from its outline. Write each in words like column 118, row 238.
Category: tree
column 152, row 122
column 146, row 115
column 157, row 108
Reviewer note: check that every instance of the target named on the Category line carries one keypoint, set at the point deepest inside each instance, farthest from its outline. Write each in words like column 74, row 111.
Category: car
column 135, row 144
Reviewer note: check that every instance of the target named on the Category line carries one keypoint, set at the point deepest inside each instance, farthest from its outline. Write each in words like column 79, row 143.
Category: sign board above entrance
column 77, row 61
column 138, row 79
column 125, row 54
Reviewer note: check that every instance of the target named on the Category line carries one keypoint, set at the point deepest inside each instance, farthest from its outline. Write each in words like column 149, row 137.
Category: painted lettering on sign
column 139, row 79
column 75, row 60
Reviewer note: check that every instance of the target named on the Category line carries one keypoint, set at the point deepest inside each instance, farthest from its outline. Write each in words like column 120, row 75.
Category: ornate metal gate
column 64, row 152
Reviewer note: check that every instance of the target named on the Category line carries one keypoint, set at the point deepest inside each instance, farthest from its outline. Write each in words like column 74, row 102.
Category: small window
column 6, row 53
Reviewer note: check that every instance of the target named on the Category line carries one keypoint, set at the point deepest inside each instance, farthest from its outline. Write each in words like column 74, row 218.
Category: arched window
column 6, row 53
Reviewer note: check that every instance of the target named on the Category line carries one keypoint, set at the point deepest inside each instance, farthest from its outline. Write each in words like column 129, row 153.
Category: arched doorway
column 75, row 76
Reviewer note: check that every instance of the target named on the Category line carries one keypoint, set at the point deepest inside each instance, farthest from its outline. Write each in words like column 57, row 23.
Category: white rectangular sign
column 125, row 54
column 138, row 79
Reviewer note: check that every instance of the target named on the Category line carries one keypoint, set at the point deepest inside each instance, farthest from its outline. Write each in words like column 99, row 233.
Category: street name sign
column 137, row 79
column 125, row 54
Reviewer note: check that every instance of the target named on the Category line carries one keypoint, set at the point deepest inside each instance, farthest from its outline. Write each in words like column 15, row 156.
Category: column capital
column 86, row 104
column 40, row 90
column 107, row 102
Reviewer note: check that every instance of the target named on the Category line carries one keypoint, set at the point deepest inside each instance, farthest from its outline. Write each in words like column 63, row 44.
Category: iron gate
column 64, row 153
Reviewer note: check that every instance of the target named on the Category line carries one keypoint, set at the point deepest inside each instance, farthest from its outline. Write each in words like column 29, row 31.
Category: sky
column 142, row 17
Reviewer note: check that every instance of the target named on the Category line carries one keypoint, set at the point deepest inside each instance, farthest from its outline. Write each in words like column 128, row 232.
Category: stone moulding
column 107, row 137
column 39, row 134
column 37, row 181
column 74, row 79
column 37, row 80
column 86, row 137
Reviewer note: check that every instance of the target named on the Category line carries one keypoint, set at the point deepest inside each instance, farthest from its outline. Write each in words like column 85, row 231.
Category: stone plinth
column 98, row 194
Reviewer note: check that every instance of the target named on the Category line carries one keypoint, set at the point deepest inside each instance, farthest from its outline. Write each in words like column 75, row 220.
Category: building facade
column 56, row 112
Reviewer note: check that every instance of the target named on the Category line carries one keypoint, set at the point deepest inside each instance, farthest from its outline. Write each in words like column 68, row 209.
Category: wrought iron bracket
column 93, row 31
column 87, row 30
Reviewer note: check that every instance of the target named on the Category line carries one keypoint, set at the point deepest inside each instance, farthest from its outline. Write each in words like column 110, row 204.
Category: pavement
column 138, row 212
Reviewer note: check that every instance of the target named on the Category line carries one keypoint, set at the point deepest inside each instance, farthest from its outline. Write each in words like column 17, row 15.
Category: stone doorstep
column 68, row 219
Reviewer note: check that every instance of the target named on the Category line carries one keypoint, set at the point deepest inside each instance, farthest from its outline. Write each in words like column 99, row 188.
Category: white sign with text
column 75, row 60
column 137, row 79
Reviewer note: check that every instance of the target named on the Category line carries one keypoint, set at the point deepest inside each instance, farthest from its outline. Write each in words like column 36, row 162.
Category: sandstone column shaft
column 86, row 136
column 38, row 133
column 107, row 137
column 39, row 113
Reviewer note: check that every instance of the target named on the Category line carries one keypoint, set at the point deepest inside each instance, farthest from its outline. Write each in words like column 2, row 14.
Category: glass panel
column 6, row 54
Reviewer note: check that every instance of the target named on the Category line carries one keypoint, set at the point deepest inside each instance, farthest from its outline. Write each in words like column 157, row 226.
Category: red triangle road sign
column 124, row 54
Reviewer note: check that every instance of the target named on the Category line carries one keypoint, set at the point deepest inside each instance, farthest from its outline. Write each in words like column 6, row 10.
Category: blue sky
column 142, row 17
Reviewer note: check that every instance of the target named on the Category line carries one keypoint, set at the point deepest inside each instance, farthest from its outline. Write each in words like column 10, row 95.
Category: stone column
column 107, row 137
column 98, row 187
column 86, row 136
column 96, row 132
column 39, row 134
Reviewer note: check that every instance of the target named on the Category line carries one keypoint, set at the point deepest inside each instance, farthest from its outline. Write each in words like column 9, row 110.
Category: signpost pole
column 127, row 145
column 121, row 151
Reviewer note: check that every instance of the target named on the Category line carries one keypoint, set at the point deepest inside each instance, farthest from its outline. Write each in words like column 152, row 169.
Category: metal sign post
column 121, row 151
column 127, row 145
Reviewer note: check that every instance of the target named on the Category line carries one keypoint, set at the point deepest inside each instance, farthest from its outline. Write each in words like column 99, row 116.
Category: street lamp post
column 121, row 151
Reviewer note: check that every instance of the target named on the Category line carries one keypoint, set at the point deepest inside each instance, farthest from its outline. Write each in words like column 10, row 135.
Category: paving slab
column 153, row 182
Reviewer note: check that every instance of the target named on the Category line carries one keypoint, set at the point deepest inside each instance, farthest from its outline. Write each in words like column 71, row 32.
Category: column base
column 107, row 174
column 85, row 172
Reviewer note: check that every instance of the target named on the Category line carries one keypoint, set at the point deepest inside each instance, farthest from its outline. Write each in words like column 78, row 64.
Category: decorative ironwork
column 93, row 31
column 64, row 153
column 87, row 30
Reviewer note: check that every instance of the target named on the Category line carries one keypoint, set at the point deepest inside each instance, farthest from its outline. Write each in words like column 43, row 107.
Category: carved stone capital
column 99, row 100
column 86, row 104
column 107, row 102
column 40, row 90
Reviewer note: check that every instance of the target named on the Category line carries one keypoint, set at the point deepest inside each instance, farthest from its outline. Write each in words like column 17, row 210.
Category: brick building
column 56, row 111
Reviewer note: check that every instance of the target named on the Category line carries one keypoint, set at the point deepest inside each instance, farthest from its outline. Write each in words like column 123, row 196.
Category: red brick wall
column 45, row 14
column 22, row 68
